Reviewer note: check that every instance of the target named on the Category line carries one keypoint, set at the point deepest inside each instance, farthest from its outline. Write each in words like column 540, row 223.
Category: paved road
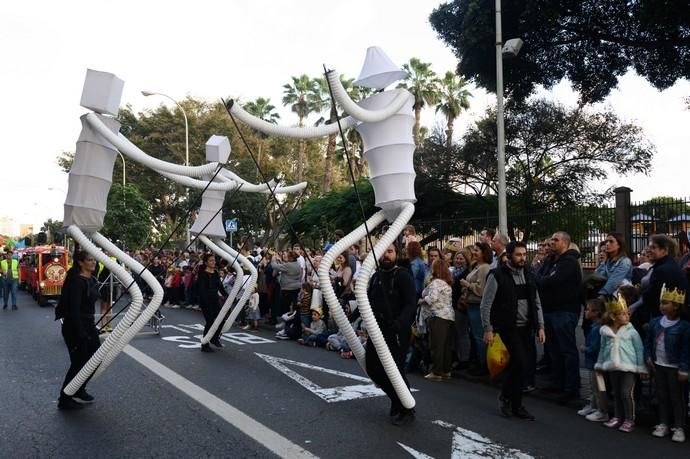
column 262, row 398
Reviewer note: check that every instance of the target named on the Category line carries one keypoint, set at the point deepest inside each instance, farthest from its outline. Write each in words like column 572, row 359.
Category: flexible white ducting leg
column 248, row 288
column 375, row 335
column 334, row 306
column 233, row 292
column 146, row 315
column 122, row 326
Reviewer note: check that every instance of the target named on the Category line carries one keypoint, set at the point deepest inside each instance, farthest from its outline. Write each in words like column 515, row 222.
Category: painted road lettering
column 191, row 340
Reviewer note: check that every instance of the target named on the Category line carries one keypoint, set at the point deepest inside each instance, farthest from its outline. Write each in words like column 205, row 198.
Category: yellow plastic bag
column 497, row 356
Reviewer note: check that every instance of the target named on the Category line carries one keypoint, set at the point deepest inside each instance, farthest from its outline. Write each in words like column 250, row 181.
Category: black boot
column 504, row 406
column 404, row 417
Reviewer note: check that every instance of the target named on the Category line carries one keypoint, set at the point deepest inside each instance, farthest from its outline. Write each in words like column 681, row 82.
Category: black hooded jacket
column 560, row 285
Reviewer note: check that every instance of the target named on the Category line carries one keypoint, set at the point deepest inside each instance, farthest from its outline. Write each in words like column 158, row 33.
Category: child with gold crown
column 622, row 357
column 667, row 353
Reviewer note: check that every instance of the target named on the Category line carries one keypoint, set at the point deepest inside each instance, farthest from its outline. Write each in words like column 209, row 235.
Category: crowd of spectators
column 619, row 302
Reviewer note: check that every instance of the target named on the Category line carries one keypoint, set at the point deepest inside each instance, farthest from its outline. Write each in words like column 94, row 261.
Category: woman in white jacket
column 437, row 305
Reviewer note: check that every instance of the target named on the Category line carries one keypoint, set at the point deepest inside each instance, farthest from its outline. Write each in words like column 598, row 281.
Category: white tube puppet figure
column 89, row 182
column 209, row 229
column 384, row 121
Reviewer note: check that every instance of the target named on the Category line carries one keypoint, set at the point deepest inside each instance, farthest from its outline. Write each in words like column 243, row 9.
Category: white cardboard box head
column 102, row 92
column 217, row 149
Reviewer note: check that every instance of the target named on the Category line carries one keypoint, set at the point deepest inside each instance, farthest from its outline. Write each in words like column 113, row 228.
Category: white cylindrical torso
column 90, row 177
column 388, row 149
column 211, row 203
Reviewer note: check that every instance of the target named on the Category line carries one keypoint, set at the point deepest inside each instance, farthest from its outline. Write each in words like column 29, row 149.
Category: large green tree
column 589, row 42
column 554, row 154
column 129, row 216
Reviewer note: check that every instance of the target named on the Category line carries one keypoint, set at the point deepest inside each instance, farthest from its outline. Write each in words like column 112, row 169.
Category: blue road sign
column 231, row 225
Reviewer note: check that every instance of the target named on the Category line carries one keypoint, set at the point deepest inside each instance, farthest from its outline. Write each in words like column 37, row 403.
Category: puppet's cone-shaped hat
column 378, row 70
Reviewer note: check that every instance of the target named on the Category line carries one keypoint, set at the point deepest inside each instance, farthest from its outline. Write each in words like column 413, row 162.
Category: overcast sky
column 239, row 48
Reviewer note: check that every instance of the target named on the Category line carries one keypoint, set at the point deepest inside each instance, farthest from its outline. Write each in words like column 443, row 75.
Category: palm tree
column 454, row 98
column 302, row 96
column 263, row 109
column 325, row 102
column 421, row 81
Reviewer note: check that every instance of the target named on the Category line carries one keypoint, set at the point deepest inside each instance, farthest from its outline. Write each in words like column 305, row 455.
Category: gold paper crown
column 616, row 305
column 674, row 296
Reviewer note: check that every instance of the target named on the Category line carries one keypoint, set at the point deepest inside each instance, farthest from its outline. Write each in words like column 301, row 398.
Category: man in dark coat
column 560, row 290
column 394, row 302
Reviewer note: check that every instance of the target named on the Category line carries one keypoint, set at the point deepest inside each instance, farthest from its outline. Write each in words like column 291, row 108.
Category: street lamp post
column 500, row 127
column 186, row 137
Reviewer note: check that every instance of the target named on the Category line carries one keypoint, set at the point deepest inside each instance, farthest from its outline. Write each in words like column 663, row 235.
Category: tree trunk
column 330, row 152
column 300, row 159
column 417, row 117
column 328, row 165
column 449, row 132
column 258, row 159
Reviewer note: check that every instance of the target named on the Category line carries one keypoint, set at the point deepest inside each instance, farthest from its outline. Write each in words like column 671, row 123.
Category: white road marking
column 328, row 394
column 471, row 445
column 270, row 439
column 414, row 453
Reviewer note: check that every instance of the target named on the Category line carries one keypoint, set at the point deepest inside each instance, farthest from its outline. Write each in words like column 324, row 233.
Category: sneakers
column 301, row 341
column 661, row 431
column 586, row 410
column 280, row 326
column 216, row 342
column 206, row 348
column 529, row 389
column 433, row 377
column 247, row 327
column 4, row 306
column 65, row 402
column 446, row 376
column 613, row 423
column 678, row 435
column 83, row 397
column 627, row 427
column 14, row 307
column 597, row 416
column 281, row 335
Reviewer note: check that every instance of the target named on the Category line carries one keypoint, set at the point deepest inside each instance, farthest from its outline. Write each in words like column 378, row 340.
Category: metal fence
column 587, row 226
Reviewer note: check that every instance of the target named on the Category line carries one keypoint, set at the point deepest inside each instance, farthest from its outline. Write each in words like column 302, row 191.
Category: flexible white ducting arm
column 146, row 315
column 389, row 365
column 239, row 276
column 132, row 313
column 328, row 293
column 307, row 132
column 223, row 185
column 128, row 148
column 263, row 187
column 248, row 288
column 362, row 114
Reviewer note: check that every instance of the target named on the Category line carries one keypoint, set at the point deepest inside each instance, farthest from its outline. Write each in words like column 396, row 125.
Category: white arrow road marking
column 471, row 445
column 414, row 453
column 328, row 394
column 270, row 439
